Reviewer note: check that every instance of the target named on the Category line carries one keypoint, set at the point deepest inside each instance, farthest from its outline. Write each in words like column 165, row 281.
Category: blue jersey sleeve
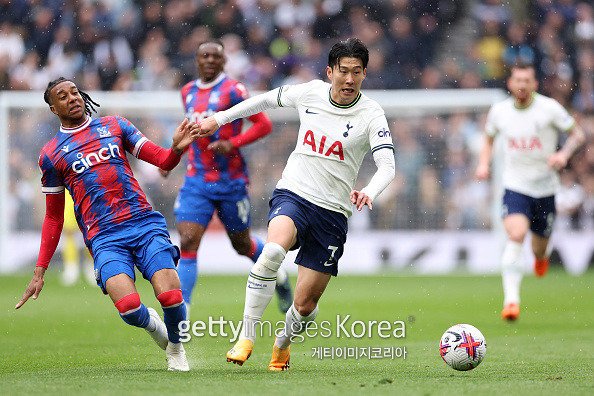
column 238, row 94
column 133, row 139
column 51, row 179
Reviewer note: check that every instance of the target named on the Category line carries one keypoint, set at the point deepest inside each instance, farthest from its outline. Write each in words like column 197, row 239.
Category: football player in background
column 529, row 124
column 88, row 157
column 314, row 198
column 217, row 177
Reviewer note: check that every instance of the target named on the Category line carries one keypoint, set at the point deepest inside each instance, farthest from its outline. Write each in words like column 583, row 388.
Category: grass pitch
column 71, row 340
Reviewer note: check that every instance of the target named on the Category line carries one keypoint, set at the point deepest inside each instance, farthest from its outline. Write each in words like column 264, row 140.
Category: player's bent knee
column 170, row 298
column 189, row 243
column 164, row 280
column 517, row 236
column 273, row 255
column 269, row 261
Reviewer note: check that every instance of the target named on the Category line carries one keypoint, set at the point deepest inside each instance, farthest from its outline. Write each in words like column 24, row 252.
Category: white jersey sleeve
column 562, row 120
column 490, row 125
column 379, row 132
column 380, row 141
column 248, row 107
column 290, row 95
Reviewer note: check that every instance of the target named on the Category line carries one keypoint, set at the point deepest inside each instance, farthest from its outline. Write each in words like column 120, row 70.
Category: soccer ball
column 462, row 347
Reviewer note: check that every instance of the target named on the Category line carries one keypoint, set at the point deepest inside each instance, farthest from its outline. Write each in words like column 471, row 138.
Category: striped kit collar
column 78, row 128
column 341, row 106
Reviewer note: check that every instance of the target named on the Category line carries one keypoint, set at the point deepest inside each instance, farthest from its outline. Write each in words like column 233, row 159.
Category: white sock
column 294, row 324
column 260, row 288
column 512, row 271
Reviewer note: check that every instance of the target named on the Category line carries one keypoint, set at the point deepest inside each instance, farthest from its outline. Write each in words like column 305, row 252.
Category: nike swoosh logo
column 309, row 112
column 328, row 265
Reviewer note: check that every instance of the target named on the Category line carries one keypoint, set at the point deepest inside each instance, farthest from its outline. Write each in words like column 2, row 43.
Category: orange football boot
column 541, row 266
column 280, row 358
column 510, row 312
column 240, row 352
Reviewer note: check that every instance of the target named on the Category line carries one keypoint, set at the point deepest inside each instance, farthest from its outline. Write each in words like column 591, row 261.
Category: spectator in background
column 12, row 45
column 63, row 57
column 112, row 56
column 518, row 49
column 403, row 56
column 492, row 10
column 489, row 50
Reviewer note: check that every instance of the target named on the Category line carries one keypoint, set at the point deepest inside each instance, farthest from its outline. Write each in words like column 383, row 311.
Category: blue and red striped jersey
column 90, row 161
column 201, row 100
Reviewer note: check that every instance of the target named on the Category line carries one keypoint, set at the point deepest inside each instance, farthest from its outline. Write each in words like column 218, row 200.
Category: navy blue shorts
column 196, row 207
column 321, row 233
column 540, row 211
column 135, row 242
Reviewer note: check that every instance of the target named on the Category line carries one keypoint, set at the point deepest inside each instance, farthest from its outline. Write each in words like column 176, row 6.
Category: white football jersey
column 332, row 141
column 530, row 136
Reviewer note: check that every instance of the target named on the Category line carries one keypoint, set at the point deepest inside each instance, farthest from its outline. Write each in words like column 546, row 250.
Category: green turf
column 72, row 340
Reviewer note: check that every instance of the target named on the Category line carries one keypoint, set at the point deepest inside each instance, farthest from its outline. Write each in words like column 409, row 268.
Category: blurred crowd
column 142, row 45
column 151, row 44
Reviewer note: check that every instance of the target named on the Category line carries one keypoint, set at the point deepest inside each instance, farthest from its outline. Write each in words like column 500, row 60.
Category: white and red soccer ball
column 462, row 347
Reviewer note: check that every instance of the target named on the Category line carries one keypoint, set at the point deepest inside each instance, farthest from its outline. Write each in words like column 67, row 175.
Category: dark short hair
column 522, row 66
column 350, row 48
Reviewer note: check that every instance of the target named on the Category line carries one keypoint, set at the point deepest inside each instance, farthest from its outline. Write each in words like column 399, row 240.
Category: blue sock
column 132, row 311
column 174, row 311
column 257, row 247
column 187, row 270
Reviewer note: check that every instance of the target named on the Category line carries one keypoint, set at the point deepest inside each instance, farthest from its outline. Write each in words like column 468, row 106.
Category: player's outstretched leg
column 187, row 270
column 174, row 311
column 295, row 324
column 258, row 293
column 511, row 274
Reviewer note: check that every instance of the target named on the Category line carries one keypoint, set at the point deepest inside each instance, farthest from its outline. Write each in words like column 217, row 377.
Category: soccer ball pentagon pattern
column 462, row 347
